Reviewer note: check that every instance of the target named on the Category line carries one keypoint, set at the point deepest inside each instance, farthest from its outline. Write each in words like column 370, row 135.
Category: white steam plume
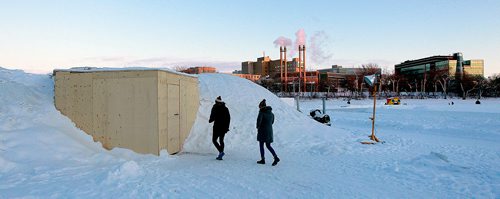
column 282, row 41
column 300, row 39
column 318, row 49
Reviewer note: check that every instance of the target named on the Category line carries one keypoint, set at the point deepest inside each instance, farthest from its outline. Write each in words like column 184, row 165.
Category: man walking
column 221, row 119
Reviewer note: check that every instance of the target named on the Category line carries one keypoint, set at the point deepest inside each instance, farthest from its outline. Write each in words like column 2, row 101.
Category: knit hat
column 262, row 103
column 218, row 99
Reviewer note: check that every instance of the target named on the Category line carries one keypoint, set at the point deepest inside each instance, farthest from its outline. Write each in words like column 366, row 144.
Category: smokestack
column 286, row 70
column 304, row 64
column 300, row 64
column 281, row 67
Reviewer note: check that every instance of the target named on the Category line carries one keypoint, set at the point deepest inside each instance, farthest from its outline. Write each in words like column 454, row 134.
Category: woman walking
column 265, row 122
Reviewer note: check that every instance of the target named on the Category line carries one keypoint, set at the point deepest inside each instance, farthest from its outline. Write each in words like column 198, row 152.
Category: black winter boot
column 220, row 156
column 261, row 161
column 276, row 160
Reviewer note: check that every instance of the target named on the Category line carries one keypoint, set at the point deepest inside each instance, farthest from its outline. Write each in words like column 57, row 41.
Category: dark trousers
column 220, row 145
column 269, row 147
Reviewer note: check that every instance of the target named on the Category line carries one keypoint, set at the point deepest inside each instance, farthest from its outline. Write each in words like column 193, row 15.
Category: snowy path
column 432, row 150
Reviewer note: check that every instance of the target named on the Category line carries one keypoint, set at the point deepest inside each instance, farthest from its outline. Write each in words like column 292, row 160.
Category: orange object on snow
column 393, row 101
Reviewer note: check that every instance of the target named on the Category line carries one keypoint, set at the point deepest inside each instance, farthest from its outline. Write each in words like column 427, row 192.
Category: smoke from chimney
column 300, row 39
column 282, row 41
column 319, row 49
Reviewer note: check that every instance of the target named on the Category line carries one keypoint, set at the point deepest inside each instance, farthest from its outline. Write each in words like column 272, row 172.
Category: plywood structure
column 143, row 110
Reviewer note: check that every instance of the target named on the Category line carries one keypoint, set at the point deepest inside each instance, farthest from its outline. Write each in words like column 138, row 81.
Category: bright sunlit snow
column 431, row 149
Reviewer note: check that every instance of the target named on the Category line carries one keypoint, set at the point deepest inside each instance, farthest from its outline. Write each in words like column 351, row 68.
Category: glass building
column 451, row 65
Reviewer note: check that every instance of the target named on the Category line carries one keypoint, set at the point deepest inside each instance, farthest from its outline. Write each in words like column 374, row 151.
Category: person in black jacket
column 221, row 119
column 265, row 122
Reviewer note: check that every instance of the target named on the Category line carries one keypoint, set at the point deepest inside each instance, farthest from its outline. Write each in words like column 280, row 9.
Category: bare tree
column 351, row 83
column 370, row 69
column 442, row 78
column 416, row 85
column 393, row 80
column 179, row 68
column 424, row 84
column 492, row 88
column 470, row 83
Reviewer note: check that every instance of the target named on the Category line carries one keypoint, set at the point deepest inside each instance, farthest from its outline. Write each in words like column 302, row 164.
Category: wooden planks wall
column 145, row 111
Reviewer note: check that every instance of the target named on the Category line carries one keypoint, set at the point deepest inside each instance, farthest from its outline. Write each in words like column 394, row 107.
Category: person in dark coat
column 265, row 122
column 221, row 119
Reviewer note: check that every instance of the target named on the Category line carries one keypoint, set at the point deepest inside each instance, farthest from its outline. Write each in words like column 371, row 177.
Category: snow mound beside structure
column 32, row 131
column 29, row 120
column 291, row 128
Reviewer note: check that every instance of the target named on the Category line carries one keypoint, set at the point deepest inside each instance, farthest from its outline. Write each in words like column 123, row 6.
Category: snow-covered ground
column 431, row 150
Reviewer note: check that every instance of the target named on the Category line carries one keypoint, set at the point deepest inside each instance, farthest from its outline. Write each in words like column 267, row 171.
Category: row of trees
column 434, row 83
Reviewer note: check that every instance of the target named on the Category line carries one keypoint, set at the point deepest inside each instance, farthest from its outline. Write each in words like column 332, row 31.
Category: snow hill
column 242, row 97
column 432, row 150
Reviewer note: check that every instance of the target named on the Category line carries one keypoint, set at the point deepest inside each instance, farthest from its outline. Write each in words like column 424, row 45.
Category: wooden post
column 373, row 137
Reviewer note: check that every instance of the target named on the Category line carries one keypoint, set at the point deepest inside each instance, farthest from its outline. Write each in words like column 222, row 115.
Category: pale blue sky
column 39, row 36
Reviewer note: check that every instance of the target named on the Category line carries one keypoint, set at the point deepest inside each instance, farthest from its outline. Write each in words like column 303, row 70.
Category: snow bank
column 432, row 150
column 32, row 129
column 242, row 97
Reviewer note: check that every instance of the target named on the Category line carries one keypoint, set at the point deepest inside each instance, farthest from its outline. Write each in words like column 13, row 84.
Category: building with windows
column 337, row 77
column 264, row 66
column 452, row 65
column 284, row 75
column 250, row 77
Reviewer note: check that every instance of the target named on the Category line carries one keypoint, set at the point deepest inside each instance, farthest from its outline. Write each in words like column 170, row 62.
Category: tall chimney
column 299, row 65
column 286, row 70
column 304, row 65
column 281, row 67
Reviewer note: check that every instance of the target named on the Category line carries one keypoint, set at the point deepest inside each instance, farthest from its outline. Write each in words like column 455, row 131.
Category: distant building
column 250, row 77
column 337, row 76
column 264, row 66
column 452, row 65
column 200, row 69
column 237, row 72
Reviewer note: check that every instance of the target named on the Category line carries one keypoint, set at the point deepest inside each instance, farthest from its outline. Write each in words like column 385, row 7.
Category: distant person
column 265, row 122
column 478, row 102
column 221, row 118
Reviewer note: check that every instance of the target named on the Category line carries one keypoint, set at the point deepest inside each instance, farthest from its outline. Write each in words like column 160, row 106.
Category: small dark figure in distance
column 221, row 119
column 478, row 102
column 265, row 122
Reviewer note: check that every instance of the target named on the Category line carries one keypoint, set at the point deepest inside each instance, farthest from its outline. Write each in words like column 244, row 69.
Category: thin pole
column 281, row 68
column 372, row 137
column 324, row 106
column 299, row 67
column 286, row 70
column 304, row 66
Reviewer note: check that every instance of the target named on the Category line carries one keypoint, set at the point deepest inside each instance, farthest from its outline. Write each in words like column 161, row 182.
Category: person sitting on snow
column 221, row 119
